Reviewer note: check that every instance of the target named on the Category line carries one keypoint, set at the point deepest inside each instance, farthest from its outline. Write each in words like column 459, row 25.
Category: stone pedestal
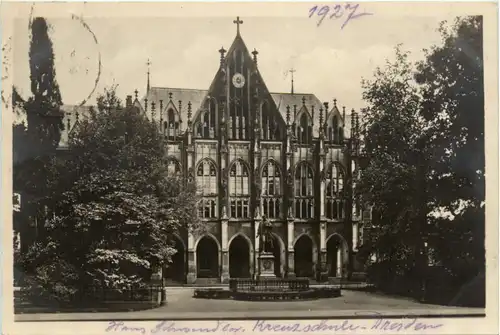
column 266, row 265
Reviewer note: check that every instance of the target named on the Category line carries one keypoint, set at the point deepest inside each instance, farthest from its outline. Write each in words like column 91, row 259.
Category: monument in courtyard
column 266, row 256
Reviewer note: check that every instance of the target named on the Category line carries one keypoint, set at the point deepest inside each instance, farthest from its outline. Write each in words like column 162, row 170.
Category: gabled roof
column 282, row 100
column 72, row 114
column 185, row 95
column 197, row 97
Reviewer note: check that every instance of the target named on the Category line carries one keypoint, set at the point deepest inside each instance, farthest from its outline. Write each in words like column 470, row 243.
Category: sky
column 330, row 61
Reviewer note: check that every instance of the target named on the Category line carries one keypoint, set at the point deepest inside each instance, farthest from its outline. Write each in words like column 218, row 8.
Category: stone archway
column 303, row 257
column 239, row 258
column 335, row 256
column 175, row 271
column 207, row 258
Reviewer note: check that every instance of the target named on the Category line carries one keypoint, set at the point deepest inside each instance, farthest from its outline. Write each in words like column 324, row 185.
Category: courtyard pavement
column 181, row 305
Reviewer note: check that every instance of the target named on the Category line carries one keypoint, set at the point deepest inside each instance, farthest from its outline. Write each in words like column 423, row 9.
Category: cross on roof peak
column 238, row 22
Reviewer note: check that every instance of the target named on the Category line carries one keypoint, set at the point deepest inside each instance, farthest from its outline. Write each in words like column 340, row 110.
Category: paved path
column 181, row 305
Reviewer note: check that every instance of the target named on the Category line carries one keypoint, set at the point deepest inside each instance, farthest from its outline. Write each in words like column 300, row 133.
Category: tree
column 43, row 107
column 423, row 133
column 451, row 79
column 35, row 143
column 113, row 206
column 392, row 133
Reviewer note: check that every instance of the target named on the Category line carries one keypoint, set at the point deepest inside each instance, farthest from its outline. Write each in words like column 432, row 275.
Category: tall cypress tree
column 35, row 144
column 43, row 107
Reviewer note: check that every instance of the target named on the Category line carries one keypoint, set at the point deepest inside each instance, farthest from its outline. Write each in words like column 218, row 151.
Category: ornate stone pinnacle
column 222, row 51
column 255, row 53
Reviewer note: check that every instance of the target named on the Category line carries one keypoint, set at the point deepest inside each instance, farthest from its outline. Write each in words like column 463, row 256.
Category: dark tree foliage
column 36, row 142
column 113, row 208
column 392, row 132
column 452, row 85
column 423, row 133
column 43, row 107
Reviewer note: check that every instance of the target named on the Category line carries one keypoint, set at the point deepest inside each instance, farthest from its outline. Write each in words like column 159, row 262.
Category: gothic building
column 286, row 157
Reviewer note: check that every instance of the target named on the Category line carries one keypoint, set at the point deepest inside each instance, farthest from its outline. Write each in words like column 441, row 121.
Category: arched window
column 239, row 190
column 208, row 117
column 269, row 124
column 206, row 176
column 335, row 192
column 271, row 190
column 304, row 195
column 171, row 125
column 304, row 130
column 173, row 167
column 335, row 130
column 335, row 122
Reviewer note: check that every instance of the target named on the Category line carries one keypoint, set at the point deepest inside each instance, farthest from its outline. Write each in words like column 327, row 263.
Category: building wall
column 321, row 236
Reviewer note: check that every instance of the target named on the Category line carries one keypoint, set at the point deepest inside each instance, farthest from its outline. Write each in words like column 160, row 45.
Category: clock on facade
column 238, row 80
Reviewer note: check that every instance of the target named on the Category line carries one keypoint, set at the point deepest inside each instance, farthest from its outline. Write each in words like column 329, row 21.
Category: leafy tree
column 113, row 206
column 423, row 133
column 451, row 79
column 34, row 144
column 43, row 107
column 392, row 133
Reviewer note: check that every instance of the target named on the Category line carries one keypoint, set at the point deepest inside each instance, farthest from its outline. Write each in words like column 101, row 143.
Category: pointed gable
column 171, row 97
column 71, row 116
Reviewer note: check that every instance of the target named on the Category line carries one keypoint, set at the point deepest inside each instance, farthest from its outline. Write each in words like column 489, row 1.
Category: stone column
column 191, row 275
column 257, row 221
column 355, row 236
column 340, row 262
column 322, row 247
column 224, row 252
column 290, row 251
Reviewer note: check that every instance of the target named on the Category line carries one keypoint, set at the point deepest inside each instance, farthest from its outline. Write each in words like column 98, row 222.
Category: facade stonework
column 287, row 157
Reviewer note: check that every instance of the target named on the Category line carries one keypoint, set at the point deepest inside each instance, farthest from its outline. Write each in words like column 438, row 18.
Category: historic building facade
column 286, row 157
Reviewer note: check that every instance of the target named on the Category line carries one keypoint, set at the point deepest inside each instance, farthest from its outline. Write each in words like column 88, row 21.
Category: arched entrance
column 335, row 256
column 174, row 272
column 303, row 251
column 239, row 258
column 207, row 258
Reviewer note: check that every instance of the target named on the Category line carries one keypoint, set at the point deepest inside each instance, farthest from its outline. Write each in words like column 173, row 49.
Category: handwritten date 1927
column 348, row 11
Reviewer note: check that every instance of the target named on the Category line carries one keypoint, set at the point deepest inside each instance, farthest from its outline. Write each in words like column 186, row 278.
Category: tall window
column 239, row 117
column 206, row 176
column 271, row 190
column 206, row 126
column 171, row 126
column 335, row 192
column 303, row 130
column 173, row 167
column 239, row 190
column 304, row 196
column 335, row 131
column 270, row 128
